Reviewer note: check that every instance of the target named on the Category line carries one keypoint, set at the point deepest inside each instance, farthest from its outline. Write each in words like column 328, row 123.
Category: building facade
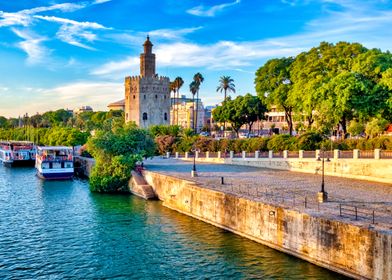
column 183, row 113
column 147, row 96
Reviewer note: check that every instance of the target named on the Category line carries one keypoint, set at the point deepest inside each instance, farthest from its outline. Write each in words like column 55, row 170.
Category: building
column 147, row 96
column 83, row 109
column 118, row 105
column 182, row 113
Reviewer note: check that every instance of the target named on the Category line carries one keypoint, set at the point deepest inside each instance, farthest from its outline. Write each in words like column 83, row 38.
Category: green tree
column 375, row 127
column 198, row 79
column 116, row 152
column 273, row 85
column 178, row 83
column 226, row 84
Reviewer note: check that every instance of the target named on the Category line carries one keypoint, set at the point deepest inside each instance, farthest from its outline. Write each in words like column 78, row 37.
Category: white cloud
column 74, row 32
column 32, row 45
column 118, row 68
column 203, row 11
column 25, row 17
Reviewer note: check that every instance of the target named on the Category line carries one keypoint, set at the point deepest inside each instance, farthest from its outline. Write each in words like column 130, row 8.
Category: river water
column 57, row 230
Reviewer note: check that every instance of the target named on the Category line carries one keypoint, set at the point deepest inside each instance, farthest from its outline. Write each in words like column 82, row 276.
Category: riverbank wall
column 376, row 170
column 352, row 250
column 83, row 166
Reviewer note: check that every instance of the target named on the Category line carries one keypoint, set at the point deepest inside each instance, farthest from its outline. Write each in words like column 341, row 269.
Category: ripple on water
column 56, row 230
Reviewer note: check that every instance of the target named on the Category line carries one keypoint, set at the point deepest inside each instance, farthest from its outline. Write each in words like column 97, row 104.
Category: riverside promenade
column 358, row 202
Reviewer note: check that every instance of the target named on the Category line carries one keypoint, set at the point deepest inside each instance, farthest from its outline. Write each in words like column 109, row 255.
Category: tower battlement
column 147, row 96
column 147, row 79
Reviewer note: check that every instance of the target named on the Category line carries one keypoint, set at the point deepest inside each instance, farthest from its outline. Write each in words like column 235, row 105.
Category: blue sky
column 65, row 54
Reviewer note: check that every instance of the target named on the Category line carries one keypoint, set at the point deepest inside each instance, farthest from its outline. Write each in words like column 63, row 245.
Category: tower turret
column 147, row 60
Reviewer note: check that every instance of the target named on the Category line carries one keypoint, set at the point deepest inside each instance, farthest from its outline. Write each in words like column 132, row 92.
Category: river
column 58, row 229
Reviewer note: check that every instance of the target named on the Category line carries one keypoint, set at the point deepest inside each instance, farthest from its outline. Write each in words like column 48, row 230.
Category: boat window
column 50, row 165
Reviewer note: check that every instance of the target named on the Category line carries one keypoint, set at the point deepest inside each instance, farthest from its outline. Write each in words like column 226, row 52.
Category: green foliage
column 242, row 110
column 309, row 141
column 329, row 85
column 116, row 152
column 281, row 142
column 375, row 127
column 159, row 130
column 355, row 128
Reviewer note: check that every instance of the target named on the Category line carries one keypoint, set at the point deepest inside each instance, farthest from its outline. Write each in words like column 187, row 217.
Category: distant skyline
column 59, row 54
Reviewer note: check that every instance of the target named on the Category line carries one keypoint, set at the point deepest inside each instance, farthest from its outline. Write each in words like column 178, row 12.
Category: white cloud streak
column 351, row 23
column 74, row 32
column 32, row 45
column 203, row 11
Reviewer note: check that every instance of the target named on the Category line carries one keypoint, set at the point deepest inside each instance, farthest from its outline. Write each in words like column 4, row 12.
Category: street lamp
column 322, row 195
column 193, row 172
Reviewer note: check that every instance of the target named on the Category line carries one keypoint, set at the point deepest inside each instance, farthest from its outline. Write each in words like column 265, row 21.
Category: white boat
column 17, row 153
column 54, row 163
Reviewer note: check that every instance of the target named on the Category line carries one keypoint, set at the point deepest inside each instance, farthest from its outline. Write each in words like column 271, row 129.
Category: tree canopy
column 241, row 110
column 329, row 85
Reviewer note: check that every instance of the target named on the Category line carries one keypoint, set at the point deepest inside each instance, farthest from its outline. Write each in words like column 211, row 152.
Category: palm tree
column 226, row 83
column 178, row 82
column 193, row 89
column 172, row 86
column 198, row 79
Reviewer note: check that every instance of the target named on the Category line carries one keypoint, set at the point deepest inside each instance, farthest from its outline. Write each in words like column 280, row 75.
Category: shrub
column 309, row 141
column 281, row 142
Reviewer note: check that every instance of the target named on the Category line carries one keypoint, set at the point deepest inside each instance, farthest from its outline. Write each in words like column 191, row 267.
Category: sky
column 67, row 54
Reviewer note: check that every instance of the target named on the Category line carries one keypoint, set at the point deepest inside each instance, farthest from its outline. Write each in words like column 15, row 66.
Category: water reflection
column 61, row 230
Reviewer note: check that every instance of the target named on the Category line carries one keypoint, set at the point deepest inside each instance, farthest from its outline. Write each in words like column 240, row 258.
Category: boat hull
column 55, row 175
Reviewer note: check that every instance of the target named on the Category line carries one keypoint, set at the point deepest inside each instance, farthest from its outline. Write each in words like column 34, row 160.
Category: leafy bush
column 309, row 141
column 116, row 152
column 281, row 142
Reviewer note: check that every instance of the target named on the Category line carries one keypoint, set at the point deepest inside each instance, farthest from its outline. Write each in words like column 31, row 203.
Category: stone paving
column 349, row 200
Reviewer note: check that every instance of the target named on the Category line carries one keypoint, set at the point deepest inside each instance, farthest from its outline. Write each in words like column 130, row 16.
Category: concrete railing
column 301, row 154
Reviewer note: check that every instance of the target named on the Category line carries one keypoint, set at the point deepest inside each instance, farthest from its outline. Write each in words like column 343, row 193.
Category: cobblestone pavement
column 351, row 200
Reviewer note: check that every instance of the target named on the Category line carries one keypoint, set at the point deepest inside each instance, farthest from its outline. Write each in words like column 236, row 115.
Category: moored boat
column 54, row 163
column 17, row 153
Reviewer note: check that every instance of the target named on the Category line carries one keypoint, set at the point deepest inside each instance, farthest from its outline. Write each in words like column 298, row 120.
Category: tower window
column 134, row 97
column 156, row 96
column 144, row 116
column 144, row 96
column 165, row 116
column 164, row 96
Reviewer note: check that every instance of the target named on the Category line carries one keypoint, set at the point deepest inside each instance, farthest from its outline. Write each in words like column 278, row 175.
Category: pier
column 350, row 234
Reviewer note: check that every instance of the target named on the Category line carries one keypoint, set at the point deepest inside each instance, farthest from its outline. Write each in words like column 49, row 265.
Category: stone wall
column 345, row 248
column 150, row 95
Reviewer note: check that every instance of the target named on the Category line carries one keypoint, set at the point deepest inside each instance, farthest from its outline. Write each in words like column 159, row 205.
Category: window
column 134, row 97
column 144, row 116
column 156, row 96
column 165, row 116
column 144, row 96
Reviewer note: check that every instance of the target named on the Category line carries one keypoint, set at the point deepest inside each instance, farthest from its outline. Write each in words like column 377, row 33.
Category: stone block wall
column 355, row 251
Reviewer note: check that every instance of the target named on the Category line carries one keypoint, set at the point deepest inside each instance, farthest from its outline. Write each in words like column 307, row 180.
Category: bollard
column 257, row 154
column 186, row 154
column 340, row 210
column 168, row 155
column 219, row 154
column 176, row 155
column 231, row 154
column 222, row 181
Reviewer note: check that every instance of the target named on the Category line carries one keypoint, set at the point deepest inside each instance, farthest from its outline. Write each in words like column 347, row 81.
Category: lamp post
column 322, row 195
column 193, row 172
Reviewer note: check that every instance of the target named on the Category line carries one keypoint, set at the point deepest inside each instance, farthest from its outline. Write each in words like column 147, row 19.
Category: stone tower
column 147, row 96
